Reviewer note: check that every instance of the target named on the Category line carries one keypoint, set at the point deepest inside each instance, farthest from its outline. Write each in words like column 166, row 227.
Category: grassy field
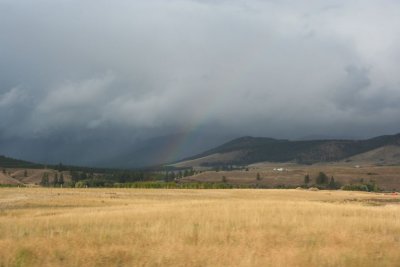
column 386, row 177
column 138, row 227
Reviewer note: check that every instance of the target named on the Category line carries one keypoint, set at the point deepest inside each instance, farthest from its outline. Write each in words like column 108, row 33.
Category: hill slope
column 109, row 151
column 6, row 162
column 257, row 149
column 6, row 179
column 386, row 155
column 163, row 149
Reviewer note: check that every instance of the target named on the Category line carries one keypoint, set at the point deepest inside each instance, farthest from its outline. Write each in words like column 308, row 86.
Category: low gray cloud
column 270, row 68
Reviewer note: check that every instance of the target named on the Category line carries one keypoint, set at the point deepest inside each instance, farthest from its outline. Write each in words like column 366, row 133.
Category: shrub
column 322, row 178
column 81, row 184
column 173, row 185
column 367, row 187
column 333, row 184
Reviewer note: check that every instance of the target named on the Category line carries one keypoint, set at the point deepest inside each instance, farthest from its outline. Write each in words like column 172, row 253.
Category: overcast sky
column 145, row 68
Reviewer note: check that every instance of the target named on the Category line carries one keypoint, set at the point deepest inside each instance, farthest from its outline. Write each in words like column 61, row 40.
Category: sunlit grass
column 137, row 227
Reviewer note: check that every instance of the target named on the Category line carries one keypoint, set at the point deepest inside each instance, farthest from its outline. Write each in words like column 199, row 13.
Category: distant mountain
column 163, row 149
column 6, row 162
column 247, row 150
column 110, row 150
column 171, row 148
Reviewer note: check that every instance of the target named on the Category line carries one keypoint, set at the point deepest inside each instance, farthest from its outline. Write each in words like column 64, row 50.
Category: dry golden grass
column 128, row 227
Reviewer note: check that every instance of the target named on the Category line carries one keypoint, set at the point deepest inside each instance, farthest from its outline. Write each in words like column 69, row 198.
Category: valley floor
column 387, row 178
column 144, row 227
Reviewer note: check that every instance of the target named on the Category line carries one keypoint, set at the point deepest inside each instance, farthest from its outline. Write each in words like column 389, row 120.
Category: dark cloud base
column 99, row 76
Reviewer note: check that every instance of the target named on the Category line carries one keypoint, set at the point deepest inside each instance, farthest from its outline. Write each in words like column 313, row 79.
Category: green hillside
column 6, row 162
column 258, row 149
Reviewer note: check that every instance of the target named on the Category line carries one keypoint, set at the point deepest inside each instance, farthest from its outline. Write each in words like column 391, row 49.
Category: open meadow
column 387, row 178
column 158, row 227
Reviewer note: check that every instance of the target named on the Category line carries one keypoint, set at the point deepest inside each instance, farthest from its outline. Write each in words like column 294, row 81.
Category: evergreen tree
column 224, row 179
column 25, row 173
column 55, row 180
column 45, row 179
column 332, row 184
column 61, row 179
column 60, row 167
column 322, row 178
column 74, row 176
column 258, row 177
column 306, row 179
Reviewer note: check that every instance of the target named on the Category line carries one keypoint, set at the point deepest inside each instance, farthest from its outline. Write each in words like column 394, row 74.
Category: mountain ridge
column 259, row 149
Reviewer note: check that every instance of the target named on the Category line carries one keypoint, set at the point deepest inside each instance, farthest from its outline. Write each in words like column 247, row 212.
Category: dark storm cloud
column 271, row 68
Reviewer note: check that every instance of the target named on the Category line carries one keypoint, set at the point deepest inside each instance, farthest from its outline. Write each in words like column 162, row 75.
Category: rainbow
column 205, row 110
